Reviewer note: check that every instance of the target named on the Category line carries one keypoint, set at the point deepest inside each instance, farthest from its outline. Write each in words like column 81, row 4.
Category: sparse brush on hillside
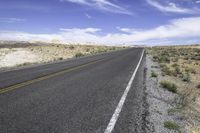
column 79, row 54
column 71, row 47
column 43, row 53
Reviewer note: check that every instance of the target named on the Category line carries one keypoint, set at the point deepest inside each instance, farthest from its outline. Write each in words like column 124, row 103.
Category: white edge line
column 115, row 116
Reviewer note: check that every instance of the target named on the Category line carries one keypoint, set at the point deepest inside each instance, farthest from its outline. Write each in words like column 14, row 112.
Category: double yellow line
column 25, row 83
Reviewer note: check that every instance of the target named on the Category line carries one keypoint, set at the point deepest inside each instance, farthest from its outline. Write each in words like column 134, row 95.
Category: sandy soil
column 15, row 57
column 34, row 54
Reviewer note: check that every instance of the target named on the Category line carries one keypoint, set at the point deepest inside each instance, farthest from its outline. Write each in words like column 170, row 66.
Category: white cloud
column 80, row 31
column 103, row 5
column 171, row 7
column 198, row 1
column 11, row 20
column 23, row 6
column 178, row 29
column 88, row 16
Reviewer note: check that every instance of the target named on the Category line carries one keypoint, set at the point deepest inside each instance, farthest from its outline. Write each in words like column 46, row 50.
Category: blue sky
column 101, row 21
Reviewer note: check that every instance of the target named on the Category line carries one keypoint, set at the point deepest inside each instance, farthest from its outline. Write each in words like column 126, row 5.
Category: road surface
column 93, row 94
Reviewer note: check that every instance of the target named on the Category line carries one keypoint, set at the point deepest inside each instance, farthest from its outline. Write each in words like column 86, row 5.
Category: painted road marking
column 22, row 84
column 115, row 116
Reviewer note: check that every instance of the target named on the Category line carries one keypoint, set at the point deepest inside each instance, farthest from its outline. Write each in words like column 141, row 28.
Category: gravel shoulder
column 161, row 103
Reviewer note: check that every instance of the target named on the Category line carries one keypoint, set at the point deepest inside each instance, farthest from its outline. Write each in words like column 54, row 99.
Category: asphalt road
column 74, row 96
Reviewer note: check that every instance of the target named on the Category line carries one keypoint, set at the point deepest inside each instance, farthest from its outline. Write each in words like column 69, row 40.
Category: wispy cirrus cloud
column 176, row 31
column 171, row 7
column 88, row 16
column 27, row 7
column 11, row 20
column 103, row 5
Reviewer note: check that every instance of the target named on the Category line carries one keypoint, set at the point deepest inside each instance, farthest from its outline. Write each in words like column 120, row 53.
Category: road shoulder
column 161, row 103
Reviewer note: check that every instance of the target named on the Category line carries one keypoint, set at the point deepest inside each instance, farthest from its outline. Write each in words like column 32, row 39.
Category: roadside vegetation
column 171, row 125
column 79, row 54
column 153, row 74
column 169, row 86
column 180, row 71
column 43, row 52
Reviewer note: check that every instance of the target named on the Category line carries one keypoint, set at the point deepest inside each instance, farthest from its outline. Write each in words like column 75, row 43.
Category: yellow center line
column 25, row 83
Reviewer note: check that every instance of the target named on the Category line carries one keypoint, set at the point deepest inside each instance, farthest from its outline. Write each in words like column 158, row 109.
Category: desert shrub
column 79, row 54
column 176, row 71
column 185, row 97
column 190, row 70
column 186, row 58
column 171, row 125
column 166, row 70
column 175, row 65
column 87, row 50
column 198, row 86
column 101, row 50
column 155, row 58
column 172, row 111
column 92, row 52
column 195, row 58
column 61, row 58
column 71, row 47
column 163, row 65
column 193, row 71
column 154, row 66
column 186, row 77
column 112, row 48
column 153, row 74
column 169, row 86
column 175, row 59
column 24, row 64
column 164, row 59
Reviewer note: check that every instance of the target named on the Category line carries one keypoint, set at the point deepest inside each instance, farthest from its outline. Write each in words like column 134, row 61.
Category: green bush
column 164, row 59
column 175, row 65
column 171, row 125
column 79, row 55
column 155, row 58
column 169, row 86
column 186, row 77
column 153, row 74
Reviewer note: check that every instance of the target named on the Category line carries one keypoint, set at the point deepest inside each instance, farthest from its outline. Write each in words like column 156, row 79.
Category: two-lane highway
column 94, row 94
